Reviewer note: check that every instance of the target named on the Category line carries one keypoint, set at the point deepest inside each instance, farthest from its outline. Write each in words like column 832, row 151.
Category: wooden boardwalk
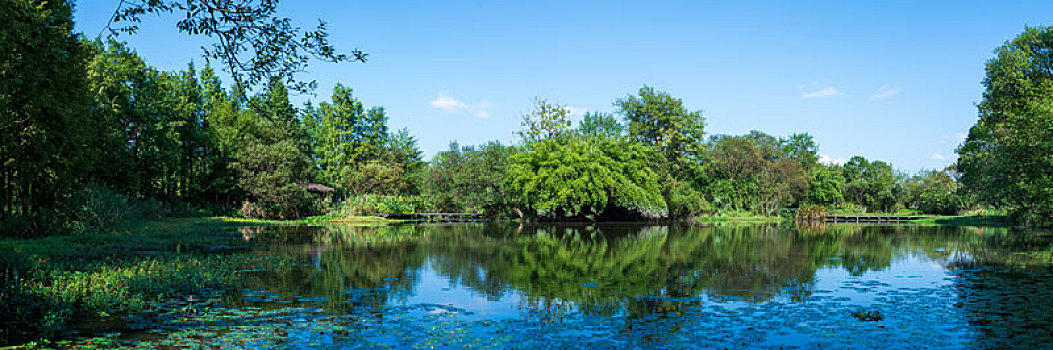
column 435, row 217
column 870, row 218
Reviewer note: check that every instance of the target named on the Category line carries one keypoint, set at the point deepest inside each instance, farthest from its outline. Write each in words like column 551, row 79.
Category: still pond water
column 628, row 286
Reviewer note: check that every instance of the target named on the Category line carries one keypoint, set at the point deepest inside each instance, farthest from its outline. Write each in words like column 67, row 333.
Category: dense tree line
column 652, row 160
column 91, row 131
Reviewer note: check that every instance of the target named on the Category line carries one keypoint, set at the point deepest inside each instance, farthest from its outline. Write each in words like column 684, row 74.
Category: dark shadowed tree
column 43, row 106
column 273, row 162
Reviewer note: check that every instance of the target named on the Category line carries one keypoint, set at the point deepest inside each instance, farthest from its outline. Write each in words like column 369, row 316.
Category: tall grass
column 42, row 300
column 371, row 204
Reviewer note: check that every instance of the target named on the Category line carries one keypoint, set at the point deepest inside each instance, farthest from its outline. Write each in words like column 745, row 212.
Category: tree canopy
column 1005, row 159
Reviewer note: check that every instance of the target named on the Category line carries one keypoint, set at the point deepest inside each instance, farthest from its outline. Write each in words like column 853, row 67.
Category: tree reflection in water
column 646, row 279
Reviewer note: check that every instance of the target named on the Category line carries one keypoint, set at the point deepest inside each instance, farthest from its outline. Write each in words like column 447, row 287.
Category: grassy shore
column 705, row 219
column 312, row 220
column 47, row 282
column 967, row 220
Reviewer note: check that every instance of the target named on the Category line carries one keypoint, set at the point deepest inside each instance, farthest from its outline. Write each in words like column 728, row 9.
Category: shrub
column 373, row 204
column 96, row 208
column 810, row 212
column 42, row 302
column 294, row 203
column 685, row 201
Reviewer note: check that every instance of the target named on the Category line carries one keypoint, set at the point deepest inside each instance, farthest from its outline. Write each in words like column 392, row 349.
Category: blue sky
column 890, row 80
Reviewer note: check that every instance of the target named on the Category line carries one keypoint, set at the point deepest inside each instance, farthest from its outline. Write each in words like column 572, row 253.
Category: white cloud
column 884, row 92
column 825, row 159
column 824, row 92
column 449, row 104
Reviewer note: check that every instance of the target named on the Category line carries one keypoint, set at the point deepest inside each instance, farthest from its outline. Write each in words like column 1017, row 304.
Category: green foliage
column 872, row 185
column 810, row 212
column 544, row 122
column 377, row 177
column 372, row 204
column 43, row 109
column 847, row 208
column 753, row 172
column 45, row 299
column 595, row 124
column 403, row 151
column 96, row 208
column 1005, row 158
column 686, row 201
column 801, row 147
column 825, row 187
column 586, row 178
column 273, row 161
column 355, row 152
column 936, row 192
column 659, row 120
column 344, row 135
column 470, row 179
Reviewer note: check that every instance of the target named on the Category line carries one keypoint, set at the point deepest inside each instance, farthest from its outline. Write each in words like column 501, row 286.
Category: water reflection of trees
column 1005, row 284
column 614, row 269
column 352, row 267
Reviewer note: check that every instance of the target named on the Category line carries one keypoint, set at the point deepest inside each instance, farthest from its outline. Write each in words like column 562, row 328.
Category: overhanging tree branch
column 253, row 42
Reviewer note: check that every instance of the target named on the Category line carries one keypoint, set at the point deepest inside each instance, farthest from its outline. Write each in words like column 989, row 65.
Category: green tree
column 586, row 178
column 225, row 124
column 802, row 148
column 873, row 185
column 273, row 162
column 1005, row 159
column 769, row 146
column 752, row 172
column 467, row 178
column 345, row 137
column 43, row 108
column 595, row 124
column 936, row 192
column 151, row 136
column 546, row 121
column 825, row 187
column 403, row 151
column 659, row 120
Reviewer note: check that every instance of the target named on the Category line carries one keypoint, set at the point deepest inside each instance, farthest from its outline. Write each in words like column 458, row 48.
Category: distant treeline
column 92, row 135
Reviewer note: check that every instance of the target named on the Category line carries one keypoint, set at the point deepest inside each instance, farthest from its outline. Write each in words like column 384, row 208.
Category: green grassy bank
column 45, row 283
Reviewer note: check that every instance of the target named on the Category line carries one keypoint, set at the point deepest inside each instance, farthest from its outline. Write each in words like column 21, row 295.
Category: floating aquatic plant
column 865, row 315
